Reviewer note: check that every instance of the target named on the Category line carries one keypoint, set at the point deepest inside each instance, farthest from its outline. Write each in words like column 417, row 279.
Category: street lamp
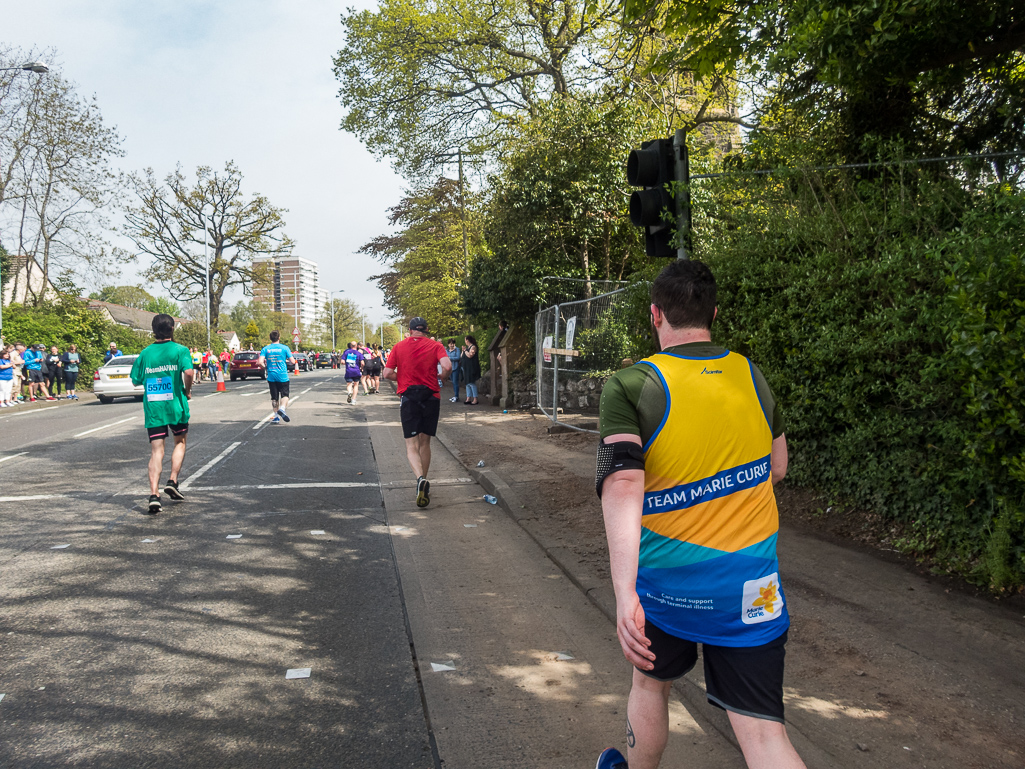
column 39, row 68
column 334, row 346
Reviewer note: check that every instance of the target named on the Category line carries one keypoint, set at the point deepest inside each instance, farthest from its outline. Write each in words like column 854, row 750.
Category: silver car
column 113, row 380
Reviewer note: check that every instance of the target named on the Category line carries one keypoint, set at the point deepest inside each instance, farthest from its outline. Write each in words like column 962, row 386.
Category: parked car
column 245, row 364
column 303, row 361
column 325, row 360
column 113, row 380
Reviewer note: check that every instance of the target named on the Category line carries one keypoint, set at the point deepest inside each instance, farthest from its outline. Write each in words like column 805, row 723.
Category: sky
column 195, row 82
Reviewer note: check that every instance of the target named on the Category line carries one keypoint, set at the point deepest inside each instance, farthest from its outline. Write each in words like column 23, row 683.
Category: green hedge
column 888, row 316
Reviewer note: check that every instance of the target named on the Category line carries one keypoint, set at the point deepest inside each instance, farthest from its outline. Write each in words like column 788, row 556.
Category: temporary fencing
column 577, row 343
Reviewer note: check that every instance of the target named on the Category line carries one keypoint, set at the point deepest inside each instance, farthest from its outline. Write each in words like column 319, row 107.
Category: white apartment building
column 292, row 287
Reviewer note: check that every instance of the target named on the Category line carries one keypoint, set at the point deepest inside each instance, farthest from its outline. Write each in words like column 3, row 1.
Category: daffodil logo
column 767, row 597
column 762, row 601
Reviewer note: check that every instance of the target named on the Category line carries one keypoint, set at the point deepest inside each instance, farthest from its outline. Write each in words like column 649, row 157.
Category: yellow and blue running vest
column 708, row 570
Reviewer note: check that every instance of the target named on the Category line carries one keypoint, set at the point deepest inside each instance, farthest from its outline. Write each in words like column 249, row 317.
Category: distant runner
column 165, row 368
column 352, row 360
column 413, row 363
column 274, row 358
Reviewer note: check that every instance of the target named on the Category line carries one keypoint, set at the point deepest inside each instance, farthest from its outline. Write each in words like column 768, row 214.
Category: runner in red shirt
column 413, row 363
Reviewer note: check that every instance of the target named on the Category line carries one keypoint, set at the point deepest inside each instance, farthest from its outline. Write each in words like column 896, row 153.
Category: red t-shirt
column 415, row 360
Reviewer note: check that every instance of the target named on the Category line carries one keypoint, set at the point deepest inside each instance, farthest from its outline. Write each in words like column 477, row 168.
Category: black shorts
column 419, row 411
column 351, row 379
column 747, row 680
column 35, row 375
column 159, row 433
column 278, row 390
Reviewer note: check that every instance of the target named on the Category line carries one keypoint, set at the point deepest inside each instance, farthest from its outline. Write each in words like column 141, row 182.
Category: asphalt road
column 135, row 641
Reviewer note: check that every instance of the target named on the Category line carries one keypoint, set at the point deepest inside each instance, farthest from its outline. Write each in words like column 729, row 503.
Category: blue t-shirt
column 33, row 360
column 277, row 356
column 453, row 355
column 6, row 373
column 352, row 360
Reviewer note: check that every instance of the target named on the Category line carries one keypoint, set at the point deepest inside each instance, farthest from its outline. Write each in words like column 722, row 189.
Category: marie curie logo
column 762, row 600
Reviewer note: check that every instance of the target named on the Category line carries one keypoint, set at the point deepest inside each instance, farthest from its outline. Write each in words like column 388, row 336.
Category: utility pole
column 681, row 161
column 462, row 213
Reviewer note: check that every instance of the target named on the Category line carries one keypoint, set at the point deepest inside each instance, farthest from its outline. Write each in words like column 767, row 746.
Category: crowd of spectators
column 29, row 374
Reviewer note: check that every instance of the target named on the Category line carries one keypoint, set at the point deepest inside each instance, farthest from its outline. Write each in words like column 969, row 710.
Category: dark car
column 325, row 360
column 245, row 365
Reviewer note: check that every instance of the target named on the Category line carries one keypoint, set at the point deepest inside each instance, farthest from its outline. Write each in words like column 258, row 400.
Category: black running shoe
column 154, row 504
column 423, row 492
column 171, row 490
column 283, row 415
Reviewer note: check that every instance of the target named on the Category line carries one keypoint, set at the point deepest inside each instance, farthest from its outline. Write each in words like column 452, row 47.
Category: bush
column 887, row 315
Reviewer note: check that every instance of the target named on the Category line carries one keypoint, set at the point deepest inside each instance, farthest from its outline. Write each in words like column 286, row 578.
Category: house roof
column 140, row 320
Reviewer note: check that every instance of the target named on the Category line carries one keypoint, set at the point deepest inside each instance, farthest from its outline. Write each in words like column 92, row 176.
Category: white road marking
column 246, row 395
column 271, row 486
column 188, row 481
column 104, row 427
column 304, row 391
column 13, row 456
column 32, row 497
column 211, row 395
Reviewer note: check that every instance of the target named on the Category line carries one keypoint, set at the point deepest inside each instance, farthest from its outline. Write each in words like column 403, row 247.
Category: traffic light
column 655, row 166
column 653, row 208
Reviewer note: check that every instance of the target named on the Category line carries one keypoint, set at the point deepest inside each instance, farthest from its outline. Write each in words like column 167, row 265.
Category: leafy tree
column 164, row 305
column 420, row 79
column 193, row 335
column 426, row 255
column 251, row 335
column 941, row 75
column 56, row 180
column 127, row 296
column 171, row 220
column 557, row 207
column 347, row 317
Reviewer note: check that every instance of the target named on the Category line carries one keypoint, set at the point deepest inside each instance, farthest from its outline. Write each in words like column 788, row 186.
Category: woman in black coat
column 469, row 369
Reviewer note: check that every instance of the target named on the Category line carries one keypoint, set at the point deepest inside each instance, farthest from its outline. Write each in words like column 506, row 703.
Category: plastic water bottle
column 481, row 463
column 490, row 499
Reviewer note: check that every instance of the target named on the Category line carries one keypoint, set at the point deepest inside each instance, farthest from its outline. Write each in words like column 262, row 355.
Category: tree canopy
column 172, row 223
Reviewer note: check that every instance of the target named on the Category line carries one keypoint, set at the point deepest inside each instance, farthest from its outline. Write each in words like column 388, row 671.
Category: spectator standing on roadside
column 453, row 356
column 69, row 362
column 112, row 352
column 6, row 377
column 225, row 358
column 19, row 371
column 211, row 364
column 34, row 359
column 469, row 369
column 274, row 360
column 165, row 369
column 54, row 372
column 413, row 364
column 197, row 364
column 691, row 444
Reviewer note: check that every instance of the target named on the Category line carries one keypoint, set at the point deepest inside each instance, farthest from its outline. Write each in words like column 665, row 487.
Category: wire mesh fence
column 578, row 343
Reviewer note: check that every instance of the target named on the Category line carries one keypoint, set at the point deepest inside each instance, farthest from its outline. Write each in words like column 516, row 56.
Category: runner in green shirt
column 165, row 369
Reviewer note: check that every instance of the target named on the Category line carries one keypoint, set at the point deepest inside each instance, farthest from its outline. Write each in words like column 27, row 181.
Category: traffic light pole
column 682, row 167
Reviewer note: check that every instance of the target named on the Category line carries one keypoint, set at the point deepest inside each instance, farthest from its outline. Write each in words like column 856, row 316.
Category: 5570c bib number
column 159, row 389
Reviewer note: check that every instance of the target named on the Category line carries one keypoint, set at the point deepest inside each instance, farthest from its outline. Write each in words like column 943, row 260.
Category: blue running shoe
column 276, row 420
column 611, row 758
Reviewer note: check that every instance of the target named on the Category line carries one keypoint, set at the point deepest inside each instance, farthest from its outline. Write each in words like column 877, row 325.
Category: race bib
column 159, row 389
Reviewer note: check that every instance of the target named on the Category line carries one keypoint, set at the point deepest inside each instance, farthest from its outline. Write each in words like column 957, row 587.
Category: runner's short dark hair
column 685, row 292
column 163, row 326
column 275, row 335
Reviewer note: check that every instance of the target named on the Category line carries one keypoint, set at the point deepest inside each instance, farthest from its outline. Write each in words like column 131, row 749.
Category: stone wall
column 579, row 395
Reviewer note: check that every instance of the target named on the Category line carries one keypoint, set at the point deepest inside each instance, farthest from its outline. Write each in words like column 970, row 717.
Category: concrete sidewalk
column 518, row 668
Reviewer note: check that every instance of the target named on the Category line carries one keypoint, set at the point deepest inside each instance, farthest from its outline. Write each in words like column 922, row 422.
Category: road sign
column 295, row 331
column 296, row 338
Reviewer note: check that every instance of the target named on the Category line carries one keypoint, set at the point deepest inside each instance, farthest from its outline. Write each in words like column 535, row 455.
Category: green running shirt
column 159, row 369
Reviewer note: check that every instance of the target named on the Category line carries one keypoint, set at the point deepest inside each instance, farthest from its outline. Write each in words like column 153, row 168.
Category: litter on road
column 441, row 667
column 564, row 656
column 480, row 463
column 59, row 547
column 234, row 536
column 148, row 541
column 297, row 673
column 317, row 531
column 469, row 526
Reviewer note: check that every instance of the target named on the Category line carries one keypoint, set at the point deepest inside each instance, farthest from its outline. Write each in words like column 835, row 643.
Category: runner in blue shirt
column 274, row 359
column 352, row 359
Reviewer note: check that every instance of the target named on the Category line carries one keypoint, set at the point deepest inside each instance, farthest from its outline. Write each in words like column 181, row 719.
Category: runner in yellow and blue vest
column 691, row 444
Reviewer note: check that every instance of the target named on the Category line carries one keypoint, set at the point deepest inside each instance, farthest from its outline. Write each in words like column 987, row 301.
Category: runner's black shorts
column 747, row 680
column 159, row 433
column 419, row 409
column 278, row 390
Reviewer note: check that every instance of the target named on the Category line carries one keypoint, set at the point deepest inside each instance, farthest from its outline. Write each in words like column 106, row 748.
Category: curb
column 690, row 688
